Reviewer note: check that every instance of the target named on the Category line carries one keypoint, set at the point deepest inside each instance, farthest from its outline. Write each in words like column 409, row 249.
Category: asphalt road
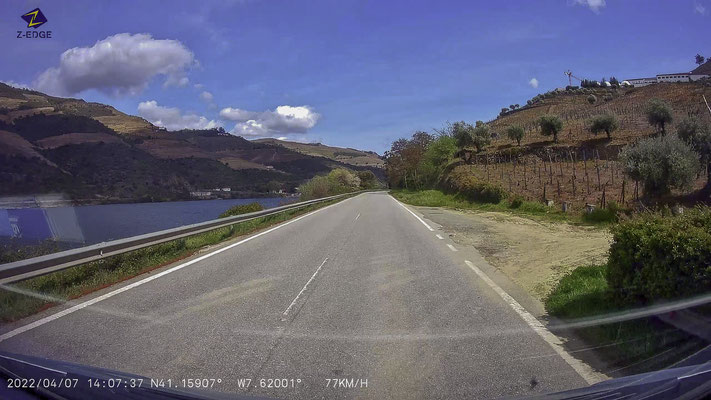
column 361, row 289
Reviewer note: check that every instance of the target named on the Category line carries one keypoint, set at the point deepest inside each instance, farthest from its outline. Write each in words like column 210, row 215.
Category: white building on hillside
column 678, row 77
column 638, row 82
column 702, row 71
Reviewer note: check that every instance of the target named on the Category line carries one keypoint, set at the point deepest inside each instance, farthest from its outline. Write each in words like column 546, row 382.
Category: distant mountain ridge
column 93, row 152
column 346, row 155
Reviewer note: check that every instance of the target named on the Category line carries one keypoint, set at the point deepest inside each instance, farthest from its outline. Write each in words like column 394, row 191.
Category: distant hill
column 582, row 168
column 703, row 69
column 572, row 106
column 344, row 155
column 94, row 153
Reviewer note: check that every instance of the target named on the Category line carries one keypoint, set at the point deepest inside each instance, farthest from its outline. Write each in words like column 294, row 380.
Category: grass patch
column 584, row 293
column 518, row 206
column 608, row 215
column 242, row 209
column 33, row 295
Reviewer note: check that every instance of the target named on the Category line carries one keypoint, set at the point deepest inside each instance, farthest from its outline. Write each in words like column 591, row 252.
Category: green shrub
column 242, row 209
column 516, row 202
column 600, row 215
column 653, row 257
column 338, row 181
column 461, row 181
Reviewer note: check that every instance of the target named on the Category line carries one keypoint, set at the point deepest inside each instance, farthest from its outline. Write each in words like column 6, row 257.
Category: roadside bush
column 516, row 202
column 461, row 181
column 592, row 99
column 337, row 181
column 242, row 209
column 601, row 215
column 661, row 163
column 367, row 179
column 653, row 257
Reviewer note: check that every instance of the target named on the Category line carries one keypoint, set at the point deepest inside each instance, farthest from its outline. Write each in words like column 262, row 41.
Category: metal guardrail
column 42, row 265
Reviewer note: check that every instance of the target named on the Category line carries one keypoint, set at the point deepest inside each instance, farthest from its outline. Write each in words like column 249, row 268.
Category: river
column 83, row 225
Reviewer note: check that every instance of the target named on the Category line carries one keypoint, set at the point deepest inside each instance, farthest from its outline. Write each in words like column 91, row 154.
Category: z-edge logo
column 34, row 18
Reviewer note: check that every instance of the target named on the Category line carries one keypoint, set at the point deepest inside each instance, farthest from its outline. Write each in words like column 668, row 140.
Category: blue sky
column 346, row 73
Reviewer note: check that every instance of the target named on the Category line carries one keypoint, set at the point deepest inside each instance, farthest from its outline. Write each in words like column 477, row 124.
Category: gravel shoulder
column 534, row 254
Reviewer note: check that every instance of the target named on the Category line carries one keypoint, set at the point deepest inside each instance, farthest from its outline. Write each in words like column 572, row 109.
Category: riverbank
column 59, row 200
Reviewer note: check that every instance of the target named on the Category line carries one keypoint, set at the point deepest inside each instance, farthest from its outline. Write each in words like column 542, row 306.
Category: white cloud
column 176, row 80
column 594, row 5
column 282, row 120
column 172, row 118
column 118, row 65
column 699, row 8
column 236, row 114
column 206, row 96
column 533, row 83
column 198, row 86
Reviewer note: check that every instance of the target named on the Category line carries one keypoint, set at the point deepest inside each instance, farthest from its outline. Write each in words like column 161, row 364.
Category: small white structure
column 639, row 82
column 201, row 194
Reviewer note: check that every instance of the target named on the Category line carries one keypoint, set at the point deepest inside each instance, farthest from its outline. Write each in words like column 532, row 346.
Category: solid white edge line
column 584, row 370
column 439, row 236
column 286, row 312
column 410, row 211
column 95, row 300
column 452, row 247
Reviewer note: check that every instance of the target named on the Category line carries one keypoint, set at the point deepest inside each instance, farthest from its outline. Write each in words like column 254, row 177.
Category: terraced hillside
column 94, row 153
column 582, row 168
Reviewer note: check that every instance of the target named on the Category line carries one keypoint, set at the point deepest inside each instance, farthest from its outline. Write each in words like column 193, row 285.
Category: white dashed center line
column 285, row 315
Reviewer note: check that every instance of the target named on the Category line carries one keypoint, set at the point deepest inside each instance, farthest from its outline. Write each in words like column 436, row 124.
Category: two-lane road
column 361, row 289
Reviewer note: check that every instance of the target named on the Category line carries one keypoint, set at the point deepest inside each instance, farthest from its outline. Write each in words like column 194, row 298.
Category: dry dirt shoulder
column 534, row 254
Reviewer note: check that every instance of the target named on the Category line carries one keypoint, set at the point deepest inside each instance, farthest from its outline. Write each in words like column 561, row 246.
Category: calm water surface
column 99, row 223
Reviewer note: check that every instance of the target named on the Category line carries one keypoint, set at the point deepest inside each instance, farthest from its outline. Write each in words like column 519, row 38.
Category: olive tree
column 481, row 136
column 467, row 136
column 604, row 123
column 550, row 125
column 516, row 133
column 698, row 136
column 661, row 163
column 659, row 114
